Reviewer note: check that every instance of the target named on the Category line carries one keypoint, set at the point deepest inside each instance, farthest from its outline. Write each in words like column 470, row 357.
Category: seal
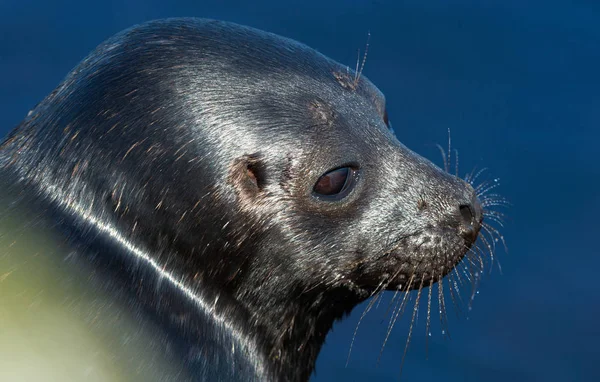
column 237, row 189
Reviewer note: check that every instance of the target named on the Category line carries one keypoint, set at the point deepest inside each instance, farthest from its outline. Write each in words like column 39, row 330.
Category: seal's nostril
column 467, row 214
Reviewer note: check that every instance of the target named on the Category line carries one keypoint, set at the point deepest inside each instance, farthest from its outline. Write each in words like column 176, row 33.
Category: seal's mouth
column 426, row 258
column 422, row 258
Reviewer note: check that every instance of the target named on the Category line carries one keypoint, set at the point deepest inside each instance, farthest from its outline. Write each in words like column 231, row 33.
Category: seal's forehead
column 221, row 45
column 224, row 76
column 229, row 55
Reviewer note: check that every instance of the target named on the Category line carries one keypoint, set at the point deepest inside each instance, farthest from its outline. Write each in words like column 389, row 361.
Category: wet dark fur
column 179, row 159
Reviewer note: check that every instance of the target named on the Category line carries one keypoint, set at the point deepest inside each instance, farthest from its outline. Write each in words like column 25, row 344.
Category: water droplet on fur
column 443, row 331
column 429, row 334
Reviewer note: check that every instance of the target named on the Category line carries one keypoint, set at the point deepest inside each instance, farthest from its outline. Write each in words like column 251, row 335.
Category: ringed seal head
column 249, row 168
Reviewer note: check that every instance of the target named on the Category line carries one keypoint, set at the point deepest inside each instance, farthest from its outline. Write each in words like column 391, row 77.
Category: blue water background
column 518, row 84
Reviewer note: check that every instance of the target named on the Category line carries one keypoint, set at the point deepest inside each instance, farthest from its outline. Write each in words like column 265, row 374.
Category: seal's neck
column 295, row 321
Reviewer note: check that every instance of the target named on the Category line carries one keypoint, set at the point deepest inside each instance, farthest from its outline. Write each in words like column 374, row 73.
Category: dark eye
column 335, row 184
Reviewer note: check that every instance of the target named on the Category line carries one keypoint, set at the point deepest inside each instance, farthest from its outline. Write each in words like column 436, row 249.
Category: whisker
column 456, row 308
column 486, row 187
column 474, row 178
column 428, row 324
column 445, row 161
column 494, row 203
column 489, row 247
column 399, row 305
column 486, row 234
column 377, row 296
column 392, row 301
column 449, row 150
column 448, row 277
column 412, row 323
column 494, row 217
column 474, row 288
column 377, row 293
column 397, row 290
column 465, row 271
column 469, row 176
column 495, row 196
column 358, row 71
column 456, row 162
column 499, row 214
column 471, row 257
column 488, row 212
column 478, row 253
column 499, row 266
column 378, row 302
column 454, row 276
column 397, row 313
column 442, row 306
column 493, row 230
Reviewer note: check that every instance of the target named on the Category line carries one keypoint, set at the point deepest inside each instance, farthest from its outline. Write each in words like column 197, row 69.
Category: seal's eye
column 335, row 184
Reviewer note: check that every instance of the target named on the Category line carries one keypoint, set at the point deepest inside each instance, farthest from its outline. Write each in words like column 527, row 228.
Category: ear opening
column 248, row 175
column 255, row 172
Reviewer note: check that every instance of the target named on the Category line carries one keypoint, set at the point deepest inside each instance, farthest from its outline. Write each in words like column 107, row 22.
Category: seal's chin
column 418, row 260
